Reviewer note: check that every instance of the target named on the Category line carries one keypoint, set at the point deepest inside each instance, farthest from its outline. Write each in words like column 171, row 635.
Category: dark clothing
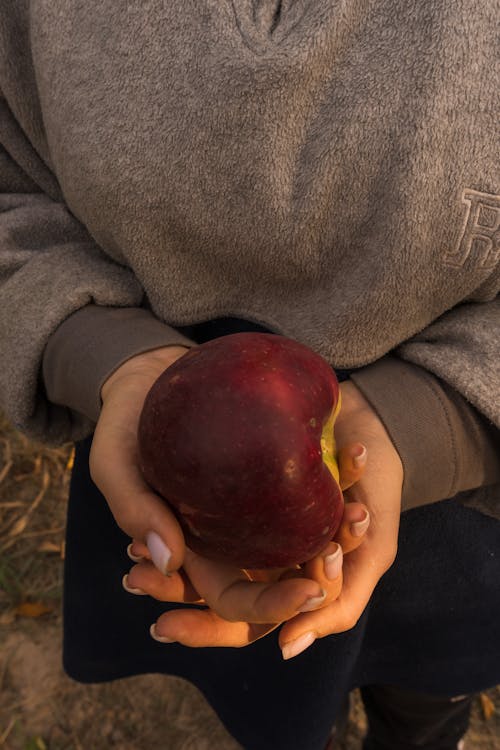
column 406, row 720
column 433, row 625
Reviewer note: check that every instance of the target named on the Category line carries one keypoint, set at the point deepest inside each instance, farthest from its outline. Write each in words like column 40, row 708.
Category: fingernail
column 359, row 527
column 312, row 602
column 300, row 644
column 333, row 564
column 360, row 459
column 160, row 553
column 135, row 558
column 129, row 588
column 160, row 638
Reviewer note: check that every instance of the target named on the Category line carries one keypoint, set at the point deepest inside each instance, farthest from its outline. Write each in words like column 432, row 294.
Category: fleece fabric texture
column 328, row 170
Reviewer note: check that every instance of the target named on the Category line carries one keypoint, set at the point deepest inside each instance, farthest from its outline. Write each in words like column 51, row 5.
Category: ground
column 42, row 709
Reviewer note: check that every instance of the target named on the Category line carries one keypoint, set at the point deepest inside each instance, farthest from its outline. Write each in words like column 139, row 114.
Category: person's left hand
column 380, row 490
column 245, row 605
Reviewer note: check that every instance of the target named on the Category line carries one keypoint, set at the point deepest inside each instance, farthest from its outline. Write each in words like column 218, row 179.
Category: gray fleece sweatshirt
column 328, row 169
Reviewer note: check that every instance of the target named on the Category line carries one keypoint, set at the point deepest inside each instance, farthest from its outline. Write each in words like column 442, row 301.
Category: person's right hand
column 114, row 467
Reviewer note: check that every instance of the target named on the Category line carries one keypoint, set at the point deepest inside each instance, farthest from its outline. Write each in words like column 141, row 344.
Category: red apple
column 237, row 436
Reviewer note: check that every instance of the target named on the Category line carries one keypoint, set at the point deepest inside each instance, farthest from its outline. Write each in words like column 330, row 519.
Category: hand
column 143, row 515
column 245, row 605
column 380, row 490
column 138, row 511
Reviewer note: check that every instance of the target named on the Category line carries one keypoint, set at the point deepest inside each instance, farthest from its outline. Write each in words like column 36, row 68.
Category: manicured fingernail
column 135, row 558
column 300, row 644
column 160, row 638
column 129, row 588
column 312, row 602
column 359, row 527
column 160, row 553
column 333, row 564
column 360, row 459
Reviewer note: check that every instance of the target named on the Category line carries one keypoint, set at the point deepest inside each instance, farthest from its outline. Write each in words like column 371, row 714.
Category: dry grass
column 40, row 708
column 34, row 483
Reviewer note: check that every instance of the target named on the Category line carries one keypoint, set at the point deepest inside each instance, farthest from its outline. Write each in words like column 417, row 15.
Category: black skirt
column 433, row 623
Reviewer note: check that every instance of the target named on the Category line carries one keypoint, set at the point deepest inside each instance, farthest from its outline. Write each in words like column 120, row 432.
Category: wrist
column 352, row 400
column 148, row 364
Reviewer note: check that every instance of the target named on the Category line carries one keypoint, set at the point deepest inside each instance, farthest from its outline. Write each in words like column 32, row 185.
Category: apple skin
column 237, row 436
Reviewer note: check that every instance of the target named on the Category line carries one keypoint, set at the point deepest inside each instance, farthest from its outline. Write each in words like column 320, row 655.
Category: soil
column 40, row 707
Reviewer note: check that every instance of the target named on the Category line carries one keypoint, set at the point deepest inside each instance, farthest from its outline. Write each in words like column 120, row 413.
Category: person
column 175, row 172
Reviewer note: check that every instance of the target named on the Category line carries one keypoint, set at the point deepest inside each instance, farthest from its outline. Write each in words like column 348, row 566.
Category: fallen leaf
column 32, row 609
column 487, row 705
column 49, row 547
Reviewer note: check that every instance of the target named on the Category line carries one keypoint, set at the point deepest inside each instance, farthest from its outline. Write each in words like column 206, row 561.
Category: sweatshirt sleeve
column 437, row 395
column 50, row 269
column 91, row 344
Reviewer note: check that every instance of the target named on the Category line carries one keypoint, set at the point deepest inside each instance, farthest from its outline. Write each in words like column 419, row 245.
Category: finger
column 361, row 574
column 138, row 511
column 326, row 569
column 145, row 578
column 353, row 527
column 352, row 461
column 137, row 551
column 230, row 593
column 204, row 628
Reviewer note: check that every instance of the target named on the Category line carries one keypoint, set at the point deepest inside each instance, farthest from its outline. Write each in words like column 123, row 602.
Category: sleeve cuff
column 91, row 344
column 445, row 445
